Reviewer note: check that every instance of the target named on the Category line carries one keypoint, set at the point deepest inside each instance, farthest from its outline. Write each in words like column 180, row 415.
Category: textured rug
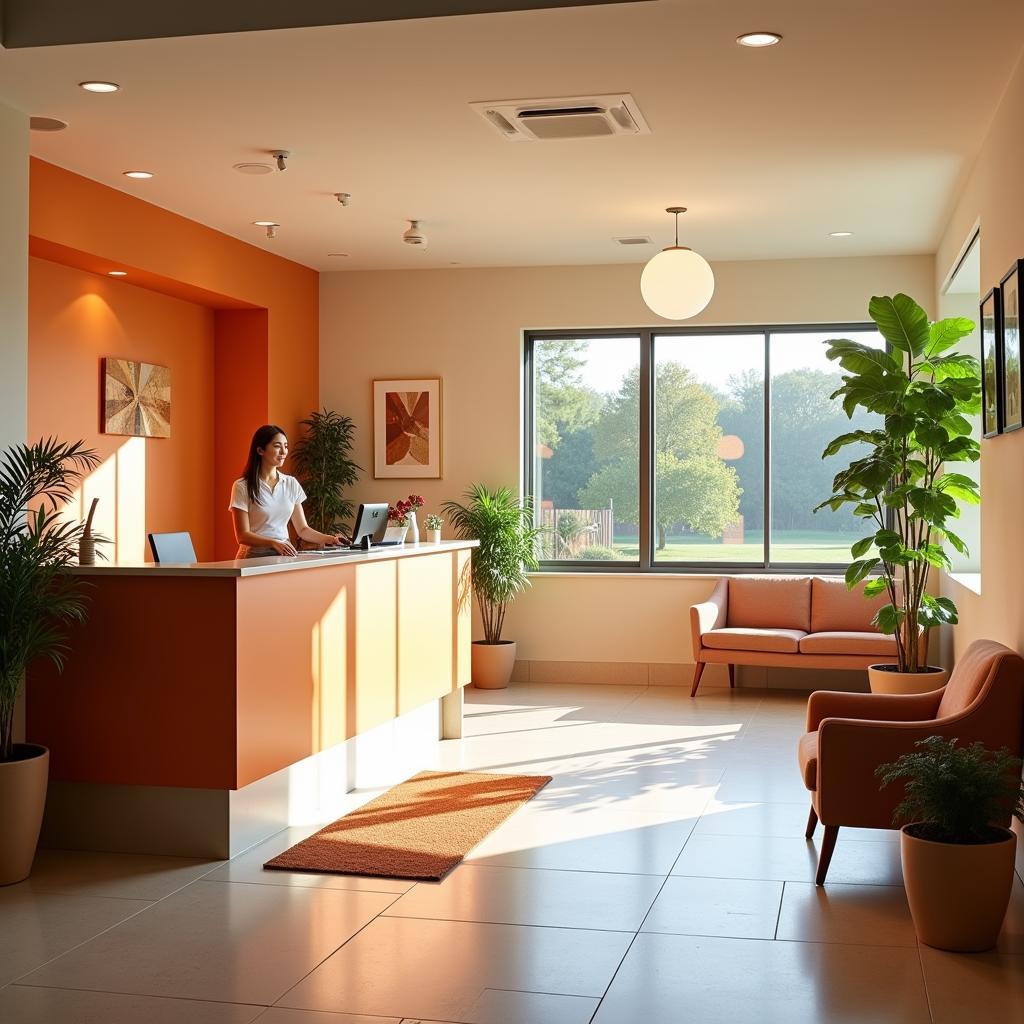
column 419, row 829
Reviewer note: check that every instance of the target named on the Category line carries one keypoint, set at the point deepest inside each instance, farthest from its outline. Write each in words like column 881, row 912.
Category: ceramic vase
column 414, row 528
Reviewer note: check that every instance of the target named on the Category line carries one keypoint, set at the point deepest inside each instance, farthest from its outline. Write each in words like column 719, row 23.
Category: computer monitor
column 372, row 522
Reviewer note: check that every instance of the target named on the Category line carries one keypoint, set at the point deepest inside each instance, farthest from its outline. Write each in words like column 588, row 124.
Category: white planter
column 396, row 534
column 434, row 536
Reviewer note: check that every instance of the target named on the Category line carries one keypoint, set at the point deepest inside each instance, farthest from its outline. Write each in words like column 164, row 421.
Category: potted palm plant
column 38, row 597
column 957, row 865
column 505, row 528
column 900, row 483
column 324, row 464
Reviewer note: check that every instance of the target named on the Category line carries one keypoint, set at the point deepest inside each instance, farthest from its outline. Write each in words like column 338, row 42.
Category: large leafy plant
column 902, row 484
column 955, row 794
column 507, row 535
column 324, row 464
column 38, row 544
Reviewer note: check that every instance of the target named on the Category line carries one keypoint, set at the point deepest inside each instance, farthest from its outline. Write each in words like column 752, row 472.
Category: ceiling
column 864, row 119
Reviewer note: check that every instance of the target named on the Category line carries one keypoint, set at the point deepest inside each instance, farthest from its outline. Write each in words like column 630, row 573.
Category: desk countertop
column 277, row 563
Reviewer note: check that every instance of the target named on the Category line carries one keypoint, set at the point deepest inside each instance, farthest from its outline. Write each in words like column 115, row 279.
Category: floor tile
column 965, row 988
column 36, row 927
column 716, row 906
column 552, row 899
column 873, row 915
column 789, row 859
column 1011, row 938
column 470, row 973
column 595, row 840
column 668, row 979
column 218, row 940
column 23, row 1004
column 773, row 783
column 248, row 867
column 280, row 1015
column 754, row 818
column 125, row 875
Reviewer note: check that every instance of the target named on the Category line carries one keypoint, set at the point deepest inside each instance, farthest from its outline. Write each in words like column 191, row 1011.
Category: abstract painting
column 991, row 389
column 407, row 428
column 136, row 398
column 1009, row 289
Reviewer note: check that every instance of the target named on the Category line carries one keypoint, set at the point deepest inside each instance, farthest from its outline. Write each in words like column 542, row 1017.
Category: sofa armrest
column 709, row 614
column 871, row 707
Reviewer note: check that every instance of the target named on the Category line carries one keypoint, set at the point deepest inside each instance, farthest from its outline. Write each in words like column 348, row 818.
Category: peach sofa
column 794, row 621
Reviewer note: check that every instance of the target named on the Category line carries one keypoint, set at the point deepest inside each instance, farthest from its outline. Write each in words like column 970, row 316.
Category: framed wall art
column 407, row 428
column 991, row 384
column 136, row 398
column 1009, row 349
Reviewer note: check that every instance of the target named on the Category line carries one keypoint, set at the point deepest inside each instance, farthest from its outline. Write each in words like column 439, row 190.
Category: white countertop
column 276, row 563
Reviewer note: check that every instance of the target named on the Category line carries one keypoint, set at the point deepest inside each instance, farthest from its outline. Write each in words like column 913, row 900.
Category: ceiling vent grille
column 634, row 240
column 574, row 117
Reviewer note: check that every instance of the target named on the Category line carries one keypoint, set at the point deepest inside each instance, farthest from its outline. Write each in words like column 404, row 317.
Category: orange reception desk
column 197, row 698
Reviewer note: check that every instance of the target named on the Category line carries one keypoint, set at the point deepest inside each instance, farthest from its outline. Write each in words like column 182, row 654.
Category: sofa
column 787, row 621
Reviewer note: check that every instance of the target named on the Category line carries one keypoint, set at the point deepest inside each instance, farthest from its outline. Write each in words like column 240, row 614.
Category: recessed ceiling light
column 99, row 86
column 46, row 124
column 840, row 234
column 759, row 39
column 337, row 254
column 266, row 223
column 251, row 168
column 138, row 174
column 117, row 273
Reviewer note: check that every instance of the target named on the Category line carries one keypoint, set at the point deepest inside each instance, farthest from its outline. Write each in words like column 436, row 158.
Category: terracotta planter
column 886, row 679
column 958, row 894
column 492, row 664
column 22, row 797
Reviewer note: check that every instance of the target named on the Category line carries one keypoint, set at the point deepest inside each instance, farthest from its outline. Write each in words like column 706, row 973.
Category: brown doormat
column 419, row 829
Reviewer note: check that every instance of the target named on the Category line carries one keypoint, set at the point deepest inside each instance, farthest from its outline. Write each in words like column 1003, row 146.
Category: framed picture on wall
column 407, row 429
column 991, row 383
column 136, row 398
column 1009, row 290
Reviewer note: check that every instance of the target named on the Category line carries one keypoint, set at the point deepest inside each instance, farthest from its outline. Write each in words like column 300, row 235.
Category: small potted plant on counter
column 398, row 522
column 508, row 538
column 38, row 597
column 957, row 864
column 901, row 481
column 433, row 524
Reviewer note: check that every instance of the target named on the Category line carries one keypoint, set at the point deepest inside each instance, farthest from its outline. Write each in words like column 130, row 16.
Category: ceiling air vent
column 574, row 117
column 634, row 240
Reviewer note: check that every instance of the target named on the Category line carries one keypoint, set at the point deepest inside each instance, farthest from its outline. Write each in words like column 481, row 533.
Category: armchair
column 850, row 734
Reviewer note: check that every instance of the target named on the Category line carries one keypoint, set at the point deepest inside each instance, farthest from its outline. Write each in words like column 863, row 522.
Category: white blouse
column 270, row 516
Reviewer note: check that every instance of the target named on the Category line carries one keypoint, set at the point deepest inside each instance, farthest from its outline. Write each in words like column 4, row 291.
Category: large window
column 687, row 449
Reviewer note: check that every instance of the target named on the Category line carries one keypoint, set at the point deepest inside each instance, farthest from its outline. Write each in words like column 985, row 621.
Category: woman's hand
column 282, row 547
column 335, row 540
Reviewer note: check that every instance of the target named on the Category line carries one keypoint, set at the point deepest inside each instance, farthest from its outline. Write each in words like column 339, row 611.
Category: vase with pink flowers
column 403, row 514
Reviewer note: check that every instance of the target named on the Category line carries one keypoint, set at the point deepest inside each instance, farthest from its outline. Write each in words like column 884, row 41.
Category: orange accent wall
column 265, row 326
column 75, row 320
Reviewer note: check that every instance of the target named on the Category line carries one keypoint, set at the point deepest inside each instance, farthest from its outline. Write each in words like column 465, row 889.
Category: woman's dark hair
column 251, row 474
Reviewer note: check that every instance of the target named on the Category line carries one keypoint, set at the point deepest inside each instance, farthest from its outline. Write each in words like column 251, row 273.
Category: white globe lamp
column 677, row 283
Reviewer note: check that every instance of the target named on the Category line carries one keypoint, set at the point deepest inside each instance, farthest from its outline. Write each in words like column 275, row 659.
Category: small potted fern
column 958, row 861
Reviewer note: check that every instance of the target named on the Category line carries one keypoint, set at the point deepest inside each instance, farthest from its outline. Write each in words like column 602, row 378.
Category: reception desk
column 209, row 691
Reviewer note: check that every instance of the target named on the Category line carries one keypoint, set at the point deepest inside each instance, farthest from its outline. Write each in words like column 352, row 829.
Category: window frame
column 646, row 563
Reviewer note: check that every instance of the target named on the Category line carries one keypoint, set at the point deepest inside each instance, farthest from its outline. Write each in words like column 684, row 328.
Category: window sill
column 663, row 574
column 968, row 580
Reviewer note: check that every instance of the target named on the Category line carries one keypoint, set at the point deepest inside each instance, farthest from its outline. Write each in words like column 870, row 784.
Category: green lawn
column 787, row 546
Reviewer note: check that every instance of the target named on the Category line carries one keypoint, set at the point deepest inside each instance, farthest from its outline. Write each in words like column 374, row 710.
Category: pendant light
column 678, row 282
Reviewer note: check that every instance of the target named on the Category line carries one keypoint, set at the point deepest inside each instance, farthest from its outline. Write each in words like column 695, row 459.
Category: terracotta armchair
column 850, row 734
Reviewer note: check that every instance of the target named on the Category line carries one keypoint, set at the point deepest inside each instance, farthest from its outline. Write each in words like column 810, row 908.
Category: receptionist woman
column 264, row 501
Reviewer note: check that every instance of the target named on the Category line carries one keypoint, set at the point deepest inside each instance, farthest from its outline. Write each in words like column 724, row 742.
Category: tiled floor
column 662, row 876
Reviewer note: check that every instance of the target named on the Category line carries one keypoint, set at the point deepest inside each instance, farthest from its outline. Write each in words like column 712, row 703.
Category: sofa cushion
column 807, row 755
column 770, row 602
column 782, row 641
column 834, row 609
column 841, row 641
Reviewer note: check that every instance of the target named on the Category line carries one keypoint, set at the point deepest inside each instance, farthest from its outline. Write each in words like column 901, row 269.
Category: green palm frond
column 323, row 463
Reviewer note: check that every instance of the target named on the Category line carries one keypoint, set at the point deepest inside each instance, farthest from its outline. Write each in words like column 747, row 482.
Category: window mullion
column 646, row 482
column 767, row 479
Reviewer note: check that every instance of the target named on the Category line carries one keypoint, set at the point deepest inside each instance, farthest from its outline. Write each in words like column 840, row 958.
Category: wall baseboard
column 643, row 673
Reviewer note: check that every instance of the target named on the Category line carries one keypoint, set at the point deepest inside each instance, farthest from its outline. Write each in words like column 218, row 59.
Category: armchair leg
column 699, row 670
column 812, row 823
column 732, row 677
column 828, row 844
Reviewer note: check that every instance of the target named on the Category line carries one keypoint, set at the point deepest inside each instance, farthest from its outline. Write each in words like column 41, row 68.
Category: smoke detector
column 414, row 236
column 573, row 117
column 253, row 168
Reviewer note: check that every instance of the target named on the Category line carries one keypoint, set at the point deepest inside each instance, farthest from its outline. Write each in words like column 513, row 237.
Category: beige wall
column 992, row 196
column 466, row 326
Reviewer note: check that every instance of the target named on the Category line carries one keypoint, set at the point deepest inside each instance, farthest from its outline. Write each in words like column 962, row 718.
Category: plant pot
column 888, row 679
column 22, row 797
column 958, row 894
column 492, row 664
column 434, row 536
